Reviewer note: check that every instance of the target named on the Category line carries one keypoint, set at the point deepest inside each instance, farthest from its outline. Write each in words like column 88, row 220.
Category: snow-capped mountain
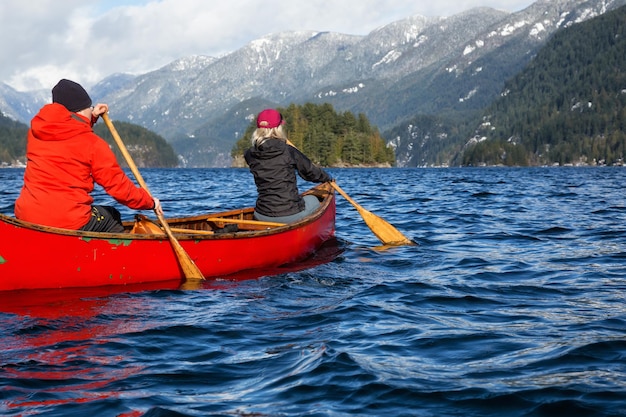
column 414, row 66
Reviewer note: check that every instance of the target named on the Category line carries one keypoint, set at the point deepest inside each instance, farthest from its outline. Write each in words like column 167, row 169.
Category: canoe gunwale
column 322, row 191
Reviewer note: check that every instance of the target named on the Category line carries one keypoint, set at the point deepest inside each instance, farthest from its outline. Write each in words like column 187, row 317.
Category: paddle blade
column 383, row 230
column 190, row 270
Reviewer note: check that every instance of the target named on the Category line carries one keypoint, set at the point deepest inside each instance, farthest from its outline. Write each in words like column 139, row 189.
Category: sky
column 42, row 41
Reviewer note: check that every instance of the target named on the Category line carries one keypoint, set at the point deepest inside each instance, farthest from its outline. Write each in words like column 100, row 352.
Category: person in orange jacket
column 64, row 160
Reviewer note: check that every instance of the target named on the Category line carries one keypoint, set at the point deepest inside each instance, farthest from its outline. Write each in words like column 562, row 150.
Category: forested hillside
column 12, row 141
column 327, row 137
column 567, row 107
column 147, row 148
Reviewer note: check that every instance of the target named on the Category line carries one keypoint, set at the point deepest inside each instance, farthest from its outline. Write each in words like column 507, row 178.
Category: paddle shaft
column 189, row 268
column 346, row 196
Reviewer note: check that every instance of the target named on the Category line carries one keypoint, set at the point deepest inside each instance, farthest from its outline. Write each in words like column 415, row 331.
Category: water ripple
column 511, row 304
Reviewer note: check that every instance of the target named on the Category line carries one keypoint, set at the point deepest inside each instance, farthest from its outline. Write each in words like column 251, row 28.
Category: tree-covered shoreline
column 568, row 107
column 329, row 138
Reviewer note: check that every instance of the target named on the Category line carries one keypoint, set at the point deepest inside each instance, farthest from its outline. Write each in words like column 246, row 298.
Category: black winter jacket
column 274, row 165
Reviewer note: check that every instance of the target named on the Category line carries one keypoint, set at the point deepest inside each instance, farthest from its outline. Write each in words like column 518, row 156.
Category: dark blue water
column 512, row 304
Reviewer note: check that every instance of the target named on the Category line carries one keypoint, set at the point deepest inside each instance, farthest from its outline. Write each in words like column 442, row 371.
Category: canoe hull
column 41, row 257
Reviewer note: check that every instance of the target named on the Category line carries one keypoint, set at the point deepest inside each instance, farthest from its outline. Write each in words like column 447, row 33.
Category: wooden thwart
column 242, row 221
column 143, row 225
column 192, row 231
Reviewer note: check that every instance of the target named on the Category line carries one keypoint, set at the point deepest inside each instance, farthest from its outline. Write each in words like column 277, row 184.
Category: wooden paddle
column 189, row 268
column 383, row 230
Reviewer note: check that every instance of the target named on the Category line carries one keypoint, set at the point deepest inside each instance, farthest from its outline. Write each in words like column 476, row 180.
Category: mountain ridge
column 413, row 67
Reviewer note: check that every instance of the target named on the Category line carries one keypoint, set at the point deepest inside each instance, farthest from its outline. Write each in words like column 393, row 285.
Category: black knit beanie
column 72, row 95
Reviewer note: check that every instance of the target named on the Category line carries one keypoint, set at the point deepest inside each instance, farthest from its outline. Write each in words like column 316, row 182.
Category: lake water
column 513, row 303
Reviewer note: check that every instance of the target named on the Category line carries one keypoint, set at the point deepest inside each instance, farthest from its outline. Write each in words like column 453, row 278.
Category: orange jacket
column 64, row 159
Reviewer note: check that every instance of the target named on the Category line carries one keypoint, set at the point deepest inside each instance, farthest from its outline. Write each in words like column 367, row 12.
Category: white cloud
column 45, row 40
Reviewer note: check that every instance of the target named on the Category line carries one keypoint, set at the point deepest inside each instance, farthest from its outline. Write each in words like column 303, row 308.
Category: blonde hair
column 262, row 134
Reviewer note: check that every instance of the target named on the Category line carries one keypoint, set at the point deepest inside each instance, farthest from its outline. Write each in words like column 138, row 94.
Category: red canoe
column 34, row 256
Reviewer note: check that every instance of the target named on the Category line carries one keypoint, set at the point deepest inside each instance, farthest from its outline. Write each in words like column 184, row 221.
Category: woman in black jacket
column 274, row 164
